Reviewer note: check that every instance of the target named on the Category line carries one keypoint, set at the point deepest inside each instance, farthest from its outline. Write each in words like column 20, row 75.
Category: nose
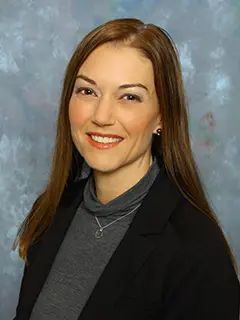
column 103, row 112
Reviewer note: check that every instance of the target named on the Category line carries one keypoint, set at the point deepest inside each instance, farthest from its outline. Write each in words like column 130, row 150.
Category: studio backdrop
column 37, row 39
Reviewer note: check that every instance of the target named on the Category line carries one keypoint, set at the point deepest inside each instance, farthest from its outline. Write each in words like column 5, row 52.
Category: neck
column 110, row 185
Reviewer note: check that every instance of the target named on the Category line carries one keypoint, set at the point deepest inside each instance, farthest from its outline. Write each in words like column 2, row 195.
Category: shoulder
column 201, row 250
column 200, row 278
column 195, row 229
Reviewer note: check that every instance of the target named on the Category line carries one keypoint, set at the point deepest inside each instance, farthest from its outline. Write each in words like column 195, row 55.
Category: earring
column 159, row 131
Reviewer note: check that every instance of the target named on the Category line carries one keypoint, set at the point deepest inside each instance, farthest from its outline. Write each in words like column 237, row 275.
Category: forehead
column 118, row 64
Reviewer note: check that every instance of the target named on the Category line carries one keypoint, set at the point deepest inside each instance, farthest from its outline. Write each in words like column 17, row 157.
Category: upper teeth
column 105, row 139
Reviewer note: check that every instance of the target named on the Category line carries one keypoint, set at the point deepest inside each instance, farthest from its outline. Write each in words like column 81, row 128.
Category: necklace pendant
column 99, row 233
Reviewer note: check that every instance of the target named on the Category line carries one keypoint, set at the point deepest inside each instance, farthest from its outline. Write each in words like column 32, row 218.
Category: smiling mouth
column 103, row 142
column 104, row 139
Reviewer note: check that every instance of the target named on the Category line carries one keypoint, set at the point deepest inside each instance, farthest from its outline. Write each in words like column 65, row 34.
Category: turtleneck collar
column 123, row 203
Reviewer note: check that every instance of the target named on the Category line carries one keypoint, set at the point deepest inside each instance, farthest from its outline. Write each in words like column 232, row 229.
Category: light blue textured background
column 36, row 41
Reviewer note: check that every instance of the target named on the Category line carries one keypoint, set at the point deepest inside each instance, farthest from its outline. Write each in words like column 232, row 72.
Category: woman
column 136, row 238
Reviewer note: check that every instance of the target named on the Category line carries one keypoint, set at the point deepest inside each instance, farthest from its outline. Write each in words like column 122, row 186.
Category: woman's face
column 114, row 94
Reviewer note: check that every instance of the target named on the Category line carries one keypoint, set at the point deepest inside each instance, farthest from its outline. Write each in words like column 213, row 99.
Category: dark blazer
column 171, row 263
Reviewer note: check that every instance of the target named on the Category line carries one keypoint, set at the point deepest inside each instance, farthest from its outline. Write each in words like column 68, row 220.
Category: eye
column 85, row 91
column 132, row 97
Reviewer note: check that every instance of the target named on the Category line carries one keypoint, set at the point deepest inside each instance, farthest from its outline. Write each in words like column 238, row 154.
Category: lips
column 106, row 135
column 101, row 145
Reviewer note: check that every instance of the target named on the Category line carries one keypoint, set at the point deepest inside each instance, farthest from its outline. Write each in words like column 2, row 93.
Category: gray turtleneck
column 82, row 257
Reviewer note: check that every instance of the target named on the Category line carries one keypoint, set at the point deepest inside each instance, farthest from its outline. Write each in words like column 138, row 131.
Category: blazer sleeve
column 202, row 284
column 31, row 255
column 21, row 293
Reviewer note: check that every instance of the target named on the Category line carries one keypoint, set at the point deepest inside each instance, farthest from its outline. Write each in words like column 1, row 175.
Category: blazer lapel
column 139, row 241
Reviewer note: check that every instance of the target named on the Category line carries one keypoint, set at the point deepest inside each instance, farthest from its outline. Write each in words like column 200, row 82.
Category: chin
column 103, row 167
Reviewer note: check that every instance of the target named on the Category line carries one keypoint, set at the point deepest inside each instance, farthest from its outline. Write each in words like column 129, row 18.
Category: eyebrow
column 123, row 86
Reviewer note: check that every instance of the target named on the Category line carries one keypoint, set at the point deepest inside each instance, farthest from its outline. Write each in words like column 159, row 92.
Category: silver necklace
column 99, row 232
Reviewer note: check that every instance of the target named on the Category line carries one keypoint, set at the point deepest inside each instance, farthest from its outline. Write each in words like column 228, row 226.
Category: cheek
column 77, row 112
column 140, row 124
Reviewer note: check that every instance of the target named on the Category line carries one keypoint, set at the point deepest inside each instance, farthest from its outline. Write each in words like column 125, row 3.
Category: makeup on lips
column 103, row 141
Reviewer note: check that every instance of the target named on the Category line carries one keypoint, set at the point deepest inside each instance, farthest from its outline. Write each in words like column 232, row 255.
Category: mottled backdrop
column 36, row 41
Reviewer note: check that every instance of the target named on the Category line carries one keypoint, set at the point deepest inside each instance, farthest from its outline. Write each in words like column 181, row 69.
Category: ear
column 159, row 124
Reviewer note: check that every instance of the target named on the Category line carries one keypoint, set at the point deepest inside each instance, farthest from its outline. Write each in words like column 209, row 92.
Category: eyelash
column 78, row 90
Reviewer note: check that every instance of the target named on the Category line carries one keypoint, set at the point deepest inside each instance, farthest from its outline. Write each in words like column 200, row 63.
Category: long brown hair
column 155, row 44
